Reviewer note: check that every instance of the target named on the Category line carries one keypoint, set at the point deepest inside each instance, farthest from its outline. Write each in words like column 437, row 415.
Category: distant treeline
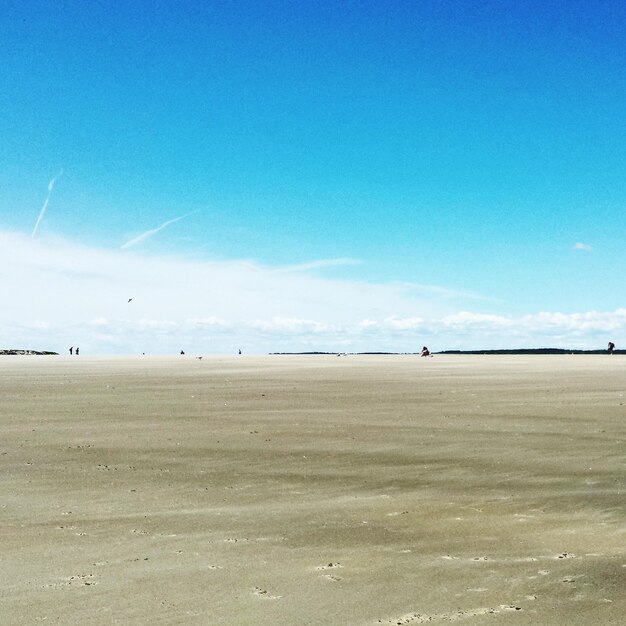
column 531, row 351
column 12, row 352
column 506, row 351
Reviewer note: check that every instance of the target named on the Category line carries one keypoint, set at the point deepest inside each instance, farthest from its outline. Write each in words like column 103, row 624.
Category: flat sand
column 314, row 490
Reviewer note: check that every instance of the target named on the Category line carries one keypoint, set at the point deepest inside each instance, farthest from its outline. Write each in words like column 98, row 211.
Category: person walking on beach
column 71, row 350
column 611, row 347
column 77, row 350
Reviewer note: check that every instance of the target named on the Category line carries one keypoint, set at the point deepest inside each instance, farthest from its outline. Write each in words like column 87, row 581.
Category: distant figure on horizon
column 182, row 352
column 77, row 350
column 71, row 350
column 611, row 347
column 425, row 351
column 239, row 350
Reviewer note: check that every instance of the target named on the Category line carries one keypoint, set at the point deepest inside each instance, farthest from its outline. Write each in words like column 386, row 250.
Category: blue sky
column 467, row 156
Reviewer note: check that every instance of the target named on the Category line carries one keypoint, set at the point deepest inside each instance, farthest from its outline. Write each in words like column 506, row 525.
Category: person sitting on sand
column 611, row 347
column 425, row 351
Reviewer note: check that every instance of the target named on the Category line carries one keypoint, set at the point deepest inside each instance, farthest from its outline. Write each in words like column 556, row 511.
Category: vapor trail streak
column 45, row 204
column 151, row 232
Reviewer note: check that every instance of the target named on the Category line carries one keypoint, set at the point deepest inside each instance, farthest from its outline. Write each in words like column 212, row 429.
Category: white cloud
column 368, row 324
column 208, row 322
column 291, row 325
column 465, row 319
column 99, row 321
column 406, row 323
column 582, row 246
column 579, row 323
column 590, row 329
column 393, row 323
column 84, row 293
column 570, row 322
column 158, row 324
column 38, row 324
column 79, row 295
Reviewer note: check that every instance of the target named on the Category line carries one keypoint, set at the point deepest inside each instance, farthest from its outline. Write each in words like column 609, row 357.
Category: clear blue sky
column 464, row 145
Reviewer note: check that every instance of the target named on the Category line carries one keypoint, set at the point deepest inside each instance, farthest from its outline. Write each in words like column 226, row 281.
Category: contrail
column 313, row 265
column 45, row 204
column 153, row 231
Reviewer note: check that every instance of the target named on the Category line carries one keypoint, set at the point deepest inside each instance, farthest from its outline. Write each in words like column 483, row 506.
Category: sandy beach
column 315, row 490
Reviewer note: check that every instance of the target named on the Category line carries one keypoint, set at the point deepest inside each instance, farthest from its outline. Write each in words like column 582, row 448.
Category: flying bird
column 130, row 299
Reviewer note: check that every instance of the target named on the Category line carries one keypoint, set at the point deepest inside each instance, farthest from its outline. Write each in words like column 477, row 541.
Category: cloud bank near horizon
column 65, row 294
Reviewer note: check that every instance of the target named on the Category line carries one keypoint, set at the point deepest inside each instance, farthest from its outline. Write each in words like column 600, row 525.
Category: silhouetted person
column 611, row 347
column 71, row 350
column 77, row 351
column 182, row 352
column 425, row 351
column 239, row 350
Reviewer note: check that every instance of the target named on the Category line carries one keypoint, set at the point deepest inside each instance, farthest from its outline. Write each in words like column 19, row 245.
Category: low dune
column 313, row 490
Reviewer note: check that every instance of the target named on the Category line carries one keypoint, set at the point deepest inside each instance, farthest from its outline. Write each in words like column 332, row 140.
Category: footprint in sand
column 331, row 565
column 78, row 579
column 333, row 579
column 82, row 579
column 262, row 593
column 420, row 618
